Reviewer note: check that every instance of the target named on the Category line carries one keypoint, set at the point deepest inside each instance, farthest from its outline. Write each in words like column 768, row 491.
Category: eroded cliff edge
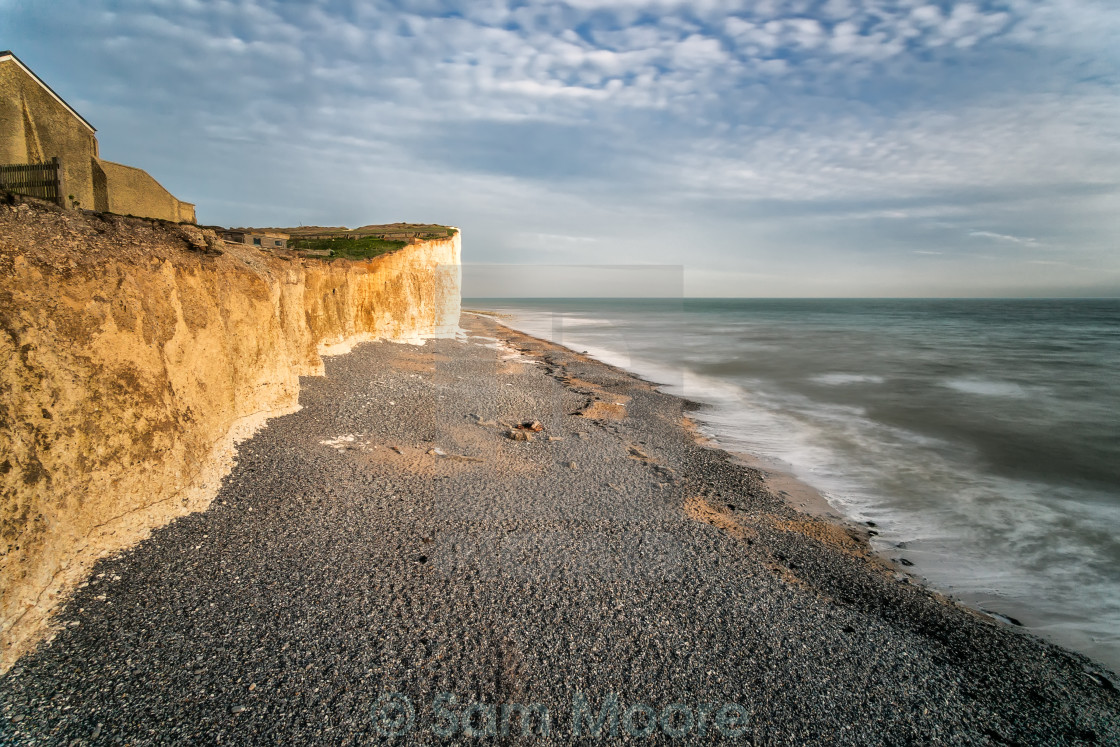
column 131, row 363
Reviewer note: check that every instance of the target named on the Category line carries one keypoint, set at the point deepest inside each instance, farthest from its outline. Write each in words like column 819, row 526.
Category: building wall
column 263, row 240
column 267, row 240
column 34, row 127
column 100, row 188
column 133, row 191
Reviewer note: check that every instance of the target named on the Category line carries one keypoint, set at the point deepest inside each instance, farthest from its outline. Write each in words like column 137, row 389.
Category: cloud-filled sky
column 770, row 147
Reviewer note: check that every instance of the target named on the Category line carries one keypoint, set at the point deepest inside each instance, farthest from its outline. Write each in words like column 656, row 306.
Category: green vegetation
column 365, row 242
column 366, row 247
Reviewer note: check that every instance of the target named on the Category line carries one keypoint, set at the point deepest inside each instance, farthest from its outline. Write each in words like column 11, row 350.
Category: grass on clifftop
column 366, row 247
column 365, row 242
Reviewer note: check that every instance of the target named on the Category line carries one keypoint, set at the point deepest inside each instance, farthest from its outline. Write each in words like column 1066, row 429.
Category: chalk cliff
column 134, row 356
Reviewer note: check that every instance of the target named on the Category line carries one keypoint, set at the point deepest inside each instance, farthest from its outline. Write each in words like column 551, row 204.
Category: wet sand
column 400, row 558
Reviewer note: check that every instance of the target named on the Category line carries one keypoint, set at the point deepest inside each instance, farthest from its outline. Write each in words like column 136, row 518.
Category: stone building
column 263, row 239
column 37, row 125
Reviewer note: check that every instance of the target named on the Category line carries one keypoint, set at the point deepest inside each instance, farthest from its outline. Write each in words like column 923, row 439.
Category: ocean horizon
column 977, row 436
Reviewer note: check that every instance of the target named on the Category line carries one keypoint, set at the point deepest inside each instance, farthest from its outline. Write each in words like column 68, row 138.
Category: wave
column 881, row 444
column 839, row 379
column 986, row 388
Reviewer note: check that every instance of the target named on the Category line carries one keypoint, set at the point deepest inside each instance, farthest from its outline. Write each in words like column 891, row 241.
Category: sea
column 980, row 438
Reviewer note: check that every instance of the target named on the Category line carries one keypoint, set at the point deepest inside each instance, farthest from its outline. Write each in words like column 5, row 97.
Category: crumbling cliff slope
column 134, row 355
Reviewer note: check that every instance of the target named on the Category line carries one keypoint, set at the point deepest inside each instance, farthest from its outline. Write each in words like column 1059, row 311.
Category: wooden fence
column 42, row 180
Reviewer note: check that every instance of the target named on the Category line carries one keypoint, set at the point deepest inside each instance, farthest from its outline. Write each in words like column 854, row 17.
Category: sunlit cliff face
column 131, row 366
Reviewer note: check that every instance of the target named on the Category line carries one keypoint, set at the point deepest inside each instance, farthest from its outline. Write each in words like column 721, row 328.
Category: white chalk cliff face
column 132, row 363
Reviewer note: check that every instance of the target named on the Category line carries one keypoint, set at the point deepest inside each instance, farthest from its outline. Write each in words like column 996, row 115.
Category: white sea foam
column 1033, row 549
column 986, row 387
column 839, row 379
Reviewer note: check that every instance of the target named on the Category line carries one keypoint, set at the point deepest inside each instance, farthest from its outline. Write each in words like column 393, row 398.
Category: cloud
column 725, row 131
column 1004, row 237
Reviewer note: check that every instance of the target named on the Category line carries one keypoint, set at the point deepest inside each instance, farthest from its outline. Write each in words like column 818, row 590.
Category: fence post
column 60, row 184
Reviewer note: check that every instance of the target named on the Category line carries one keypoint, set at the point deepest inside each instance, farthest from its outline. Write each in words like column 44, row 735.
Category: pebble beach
column 497, row 538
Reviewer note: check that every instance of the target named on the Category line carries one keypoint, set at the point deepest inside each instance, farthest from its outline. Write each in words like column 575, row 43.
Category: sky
column 767, row 147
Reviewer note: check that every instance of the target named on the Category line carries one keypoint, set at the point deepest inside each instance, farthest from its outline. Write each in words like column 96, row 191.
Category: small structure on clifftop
column 50, row 151
column 252, row 237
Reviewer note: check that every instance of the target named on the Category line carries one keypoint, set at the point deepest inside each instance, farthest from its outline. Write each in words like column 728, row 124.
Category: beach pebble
column 237, row 709
column 572, row 465
column 518, row 435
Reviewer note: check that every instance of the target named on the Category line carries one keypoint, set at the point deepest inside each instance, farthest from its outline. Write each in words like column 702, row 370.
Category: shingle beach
column 496, row 538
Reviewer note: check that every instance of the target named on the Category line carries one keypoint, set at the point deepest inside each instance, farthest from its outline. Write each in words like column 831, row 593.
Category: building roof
column 9, row 55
